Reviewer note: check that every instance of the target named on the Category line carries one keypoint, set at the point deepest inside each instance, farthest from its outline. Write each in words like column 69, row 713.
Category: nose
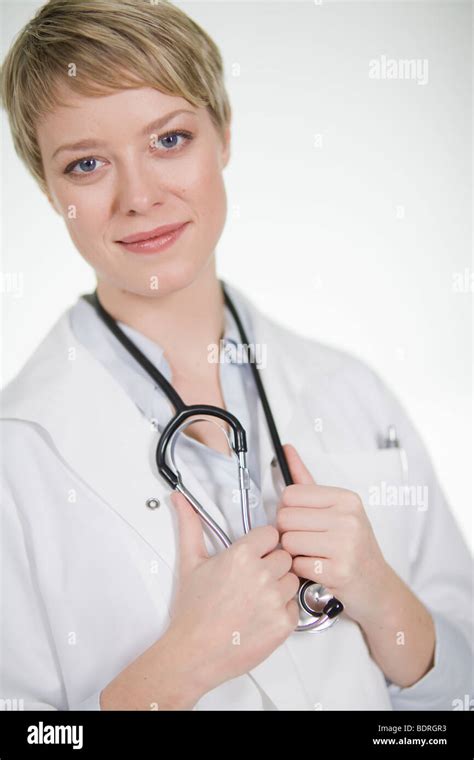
column 139, row 188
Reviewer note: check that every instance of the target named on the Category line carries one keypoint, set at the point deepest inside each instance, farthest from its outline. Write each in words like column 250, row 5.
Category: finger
column 262, row 539
column 308, row 544
column 192, row 548
column 318, row 569
column 298, row 470
column 289, row 586
column 293, row 611
column 302, row 518
column 278, row 563
column 310, row 496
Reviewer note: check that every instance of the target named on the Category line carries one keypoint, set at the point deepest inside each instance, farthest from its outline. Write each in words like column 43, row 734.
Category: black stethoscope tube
column 280, row 454
column 183, row 411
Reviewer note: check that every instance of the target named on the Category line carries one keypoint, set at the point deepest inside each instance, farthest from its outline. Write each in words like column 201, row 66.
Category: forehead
column 123, row 111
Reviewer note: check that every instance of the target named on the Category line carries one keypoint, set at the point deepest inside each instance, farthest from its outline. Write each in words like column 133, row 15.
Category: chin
column 158, row 280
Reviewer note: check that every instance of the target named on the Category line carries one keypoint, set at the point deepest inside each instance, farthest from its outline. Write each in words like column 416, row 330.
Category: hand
column 329, row 536
column 231, row 610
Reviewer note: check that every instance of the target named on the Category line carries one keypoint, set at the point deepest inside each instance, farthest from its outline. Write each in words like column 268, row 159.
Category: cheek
column 205, row 189
column 213, row 210
column 85, row 216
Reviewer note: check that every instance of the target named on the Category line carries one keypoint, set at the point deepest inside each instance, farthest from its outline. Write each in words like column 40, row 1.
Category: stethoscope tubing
column 184, row 413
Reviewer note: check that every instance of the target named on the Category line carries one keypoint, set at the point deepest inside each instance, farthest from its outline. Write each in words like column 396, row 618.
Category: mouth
column 154, row 240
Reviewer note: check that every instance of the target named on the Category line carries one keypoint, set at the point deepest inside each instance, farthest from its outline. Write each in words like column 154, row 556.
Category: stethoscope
column 318, row 609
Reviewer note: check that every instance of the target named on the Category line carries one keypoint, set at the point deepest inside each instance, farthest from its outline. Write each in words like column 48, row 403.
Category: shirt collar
column 99, row 340
column 154, row 352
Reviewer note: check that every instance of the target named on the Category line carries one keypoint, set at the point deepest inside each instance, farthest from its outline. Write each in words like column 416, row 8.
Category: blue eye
column 83, row 164
column 168, row 140
column 87, row 164
column 171, row 135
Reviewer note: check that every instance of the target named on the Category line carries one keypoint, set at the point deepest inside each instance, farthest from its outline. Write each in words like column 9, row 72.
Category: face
column 128, row 174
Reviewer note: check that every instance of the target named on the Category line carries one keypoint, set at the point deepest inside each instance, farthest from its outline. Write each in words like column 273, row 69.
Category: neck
column 183, row 322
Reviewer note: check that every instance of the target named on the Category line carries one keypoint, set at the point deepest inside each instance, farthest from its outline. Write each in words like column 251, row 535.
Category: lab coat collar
column 104, row 435
column 63, row 374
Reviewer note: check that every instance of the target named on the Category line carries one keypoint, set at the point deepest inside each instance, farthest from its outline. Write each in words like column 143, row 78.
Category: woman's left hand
column 328, row 534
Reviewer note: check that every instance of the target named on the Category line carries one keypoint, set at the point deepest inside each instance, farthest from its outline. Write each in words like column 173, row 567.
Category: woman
column 117, row 598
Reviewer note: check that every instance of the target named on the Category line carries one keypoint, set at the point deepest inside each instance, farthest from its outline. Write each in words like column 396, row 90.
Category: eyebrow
column 150, row 128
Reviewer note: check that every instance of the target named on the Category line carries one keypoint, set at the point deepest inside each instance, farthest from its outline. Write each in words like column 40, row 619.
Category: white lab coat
column 89, row 569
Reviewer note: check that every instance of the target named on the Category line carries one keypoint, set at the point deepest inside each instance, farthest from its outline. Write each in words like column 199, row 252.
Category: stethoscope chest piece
column 318, row 610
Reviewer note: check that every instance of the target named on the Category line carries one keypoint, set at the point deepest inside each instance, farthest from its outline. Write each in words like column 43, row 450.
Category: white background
column 350, row 200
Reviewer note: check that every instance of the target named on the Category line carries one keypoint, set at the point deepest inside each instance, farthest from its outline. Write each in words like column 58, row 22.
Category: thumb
column 192, row 549
column 298, row 470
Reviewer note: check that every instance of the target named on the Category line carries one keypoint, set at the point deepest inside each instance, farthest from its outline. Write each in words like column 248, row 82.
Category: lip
column 153, row 243
column 163, row 230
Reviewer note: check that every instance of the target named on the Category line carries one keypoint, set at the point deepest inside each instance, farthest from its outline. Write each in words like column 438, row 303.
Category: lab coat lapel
column 62, row 375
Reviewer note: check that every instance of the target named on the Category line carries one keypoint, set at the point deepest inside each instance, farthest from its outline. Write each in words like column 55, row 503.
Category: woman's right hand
column 231, row 610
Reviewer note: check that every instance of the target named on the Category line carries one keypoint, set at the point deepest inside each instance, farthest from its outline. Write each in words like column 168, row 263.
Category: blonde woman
column 116, row 596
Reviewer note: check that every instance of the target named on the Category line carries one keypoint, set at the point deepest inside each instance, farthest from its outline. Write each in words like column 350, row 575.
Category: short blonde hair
column 110, row 45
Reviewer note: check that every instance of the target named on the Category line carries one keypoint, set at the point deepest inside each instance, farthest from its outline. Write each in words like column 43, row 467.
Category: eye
column 88, row 165
column 168, row 140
